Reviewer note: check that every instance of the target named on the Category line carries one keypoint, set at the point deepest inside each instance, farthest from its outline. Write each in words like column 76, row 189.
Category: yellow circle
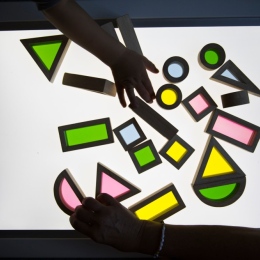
column 169, row 97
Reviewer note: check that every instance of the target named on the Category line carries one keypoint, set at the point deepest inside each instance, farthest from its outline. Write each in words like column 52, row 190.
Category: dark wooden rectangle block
column 126, row 28
column 109, row 28
column 235, row 99
column 154, row 119
column 103, row 86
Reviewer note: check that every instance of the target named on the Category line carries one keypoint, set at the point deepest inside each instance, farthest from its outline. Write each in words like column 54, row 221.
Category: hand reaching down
column 106, row 221
column 130, row 73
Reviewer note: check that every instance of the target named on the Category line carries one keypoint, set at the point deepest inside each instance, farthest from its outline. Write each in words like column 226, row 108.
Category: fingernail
column 123, row 104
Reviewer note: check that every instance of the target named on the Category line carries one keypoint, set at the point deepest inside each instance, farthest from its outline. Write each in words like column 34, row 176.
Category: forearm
column 201, row 242
column 76, row 24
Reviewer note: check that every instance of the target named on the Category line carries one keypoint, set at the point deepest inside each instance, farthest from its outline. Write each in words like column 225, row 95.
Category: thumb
column 106, row 199
column 150, row 66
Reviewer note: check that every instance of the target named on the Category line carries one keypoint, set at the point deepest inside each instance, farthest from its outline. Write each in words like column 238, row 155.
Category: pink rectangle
column 234, row 130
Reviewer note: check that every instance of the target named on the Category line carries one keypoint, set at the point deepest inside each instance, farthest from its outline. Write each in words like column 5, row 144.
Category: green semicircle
column 218, row 192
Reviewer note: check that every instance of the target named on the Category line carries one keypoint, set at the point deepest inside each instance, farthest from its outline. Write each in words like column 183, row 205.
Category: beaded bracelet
column 156, row 255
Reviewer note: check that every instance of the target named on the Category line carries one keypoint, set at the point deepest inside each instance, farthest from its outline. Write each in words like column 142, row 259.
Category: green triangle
column 46, row 52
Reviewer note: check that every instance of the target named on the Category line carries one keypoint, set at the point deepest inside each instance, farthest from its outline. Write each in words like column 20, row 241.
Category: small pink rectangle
column 234, row 130
column 199, row 104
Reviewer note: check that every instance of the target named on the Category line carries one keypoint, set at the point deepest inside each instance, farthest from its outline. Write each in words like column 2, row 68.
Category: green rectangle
column 86, row 134
column 144, row 156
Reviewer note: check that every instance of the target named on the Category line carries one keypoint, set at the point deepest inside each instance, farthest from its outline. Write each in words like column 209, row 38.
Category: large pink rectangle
column 234, row 130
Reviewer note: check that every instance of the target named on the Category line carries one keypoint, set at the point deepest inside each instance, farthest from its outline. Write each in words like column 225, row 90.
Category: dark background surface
column 16, row 15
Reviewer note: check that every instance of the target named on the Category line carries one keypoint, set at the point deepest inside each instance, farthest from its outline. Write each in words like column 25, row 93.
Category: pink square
column 199, row 104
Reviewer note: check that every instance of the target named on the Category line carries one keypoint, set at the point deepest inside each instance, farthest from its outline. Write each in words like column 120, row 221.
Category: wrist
column 150, row 237
column 117, row 57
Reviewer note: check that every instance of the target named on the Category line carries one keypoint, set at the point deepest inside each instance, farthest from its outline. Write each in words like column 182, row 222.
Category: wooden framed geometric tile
column 111, row 183
column 85, row 134
column 47, row 52
column 219, row 181
column 176, row 151
column 199, row 104
column 168, row 96
column 212, row 56
column 129, row 134
column 234, row 130
column 67, row 192
column 175, row 69
column 159, row 205
column 144, row 156
column 229, row 73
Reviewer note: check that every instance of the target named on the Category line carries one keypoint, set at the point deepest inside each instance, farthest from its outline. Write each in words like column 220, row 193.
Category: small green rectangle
column 144, row 156
column 86, row 134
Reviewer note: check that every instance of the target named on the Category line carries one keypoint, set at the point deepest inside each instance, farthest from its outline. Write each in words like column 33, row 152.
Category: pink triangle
column 68, row 196
column 112, row 187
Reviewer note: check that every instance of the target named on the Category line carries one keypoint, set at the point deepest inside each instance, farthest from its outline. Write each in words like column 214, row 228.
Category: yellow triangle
column 216, row 165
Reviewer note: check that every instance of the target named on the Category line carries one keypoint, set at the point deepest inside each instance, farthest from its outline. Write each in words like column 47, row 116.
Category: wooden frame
column 211, row 104
column 218, row 50
column 121, row 139
column 221, row 114
column 149, row 165
column 170, row 87
column 157, row 195
column 63, row 139
column 185, row 157
column 133, row 190
column 236, row 176
column 243, row 81
column 65, row 174
column 178, row 60
column 49, row 39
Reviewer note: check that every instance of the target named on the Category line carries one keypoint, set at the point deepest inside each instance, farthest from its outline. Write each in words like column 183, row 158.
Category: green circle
column 211, row 57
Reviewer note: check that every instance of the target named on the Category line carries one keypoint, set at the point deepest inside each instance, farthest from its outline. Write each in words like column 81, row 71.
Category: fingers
column 107, row 200
column 130, row 73
column 79, row 225
column 144, row 89
column 148, row 86
column 150, row 66
column 84, row 215
column 129, row 88
column 91, row 204
column 144, row 93
column 121, row 95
